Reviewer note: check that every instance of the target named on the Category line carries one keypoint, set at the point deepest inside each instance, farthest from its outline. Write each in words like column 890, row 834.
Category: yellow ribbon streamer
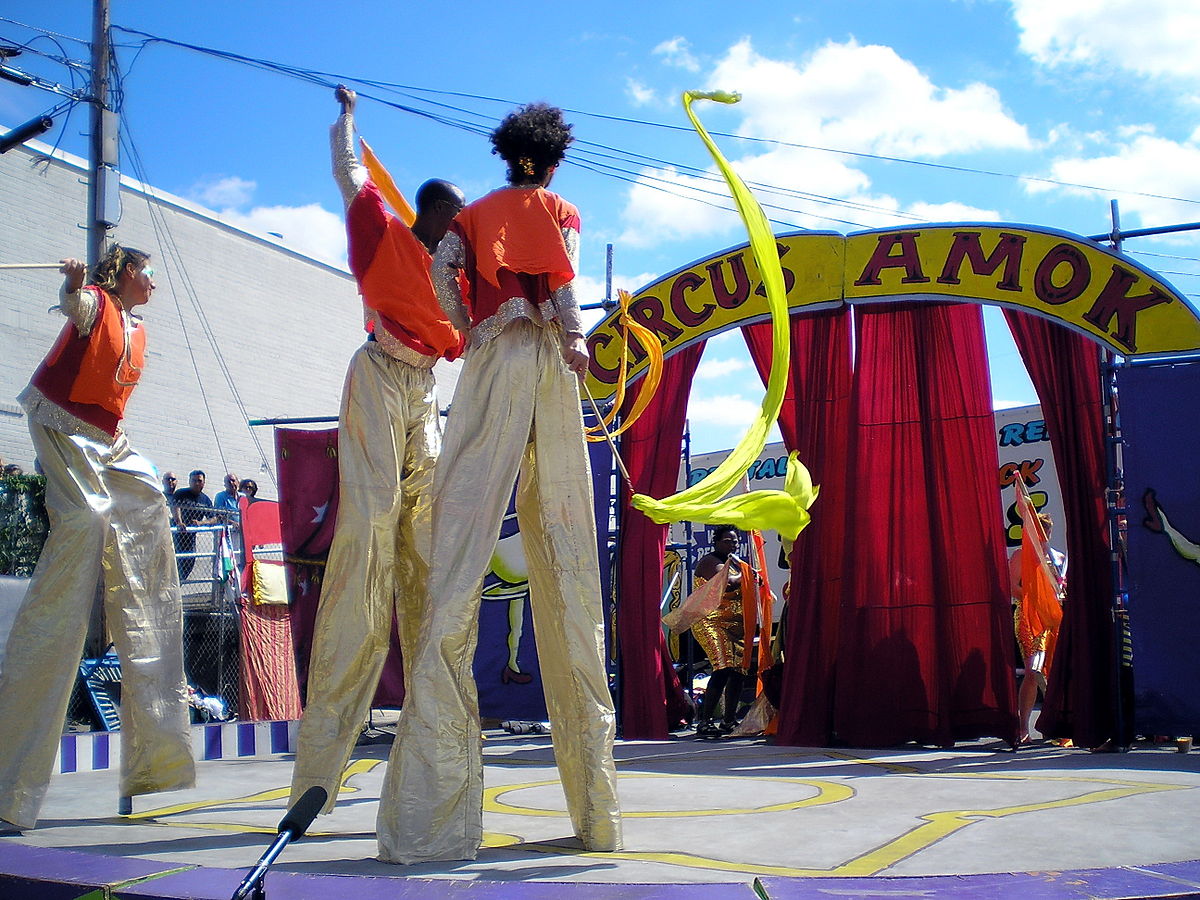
column 653, row 377
column 387, row 187
column 784, row 511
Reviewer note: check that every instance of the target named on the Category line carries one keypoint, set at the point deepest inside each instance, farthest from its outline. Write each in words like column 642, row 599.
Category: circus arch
column 1101, row 297
column 1095, row 291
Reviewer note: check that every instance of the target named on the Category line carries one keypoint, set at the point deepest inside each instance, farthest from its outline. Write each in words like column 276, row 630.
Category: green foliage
column 23, row 523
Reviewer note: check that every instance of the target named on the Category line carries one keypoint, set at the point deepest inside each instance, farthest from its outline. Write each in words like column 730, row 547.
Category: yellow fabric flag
column 784, row 511
column 387, row 187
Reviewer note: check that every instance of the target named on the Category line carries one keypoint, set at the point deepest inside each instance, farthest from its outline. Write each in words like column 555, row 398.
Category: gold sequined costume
column 389, row 435
column 516, row 410
column 722, row 633
column 108, row 520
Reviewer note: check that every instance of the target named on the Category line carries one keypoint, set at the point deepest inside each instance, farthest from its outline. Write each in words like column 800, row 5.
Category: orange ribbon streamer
column 653, row 347
column 387, row 186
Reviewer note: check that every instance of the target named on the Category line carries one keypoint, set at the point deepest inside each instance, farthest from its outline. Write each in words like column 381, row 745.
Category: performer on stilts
column 108, row 519
column 389, row 435
column 516, row 410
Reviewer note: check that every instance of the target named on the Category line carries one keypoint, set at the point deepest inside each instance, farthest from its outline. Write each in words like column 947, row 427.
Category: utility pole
column 104, row 181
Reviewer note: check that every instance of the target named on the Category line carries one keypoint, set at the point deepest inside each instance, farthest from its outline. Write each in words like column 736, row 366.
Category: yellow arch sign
column 1094, row 290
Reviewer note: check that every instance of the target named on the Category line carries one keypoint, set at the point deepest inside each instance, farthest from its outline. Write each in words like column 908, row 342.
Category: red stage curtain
column 925, row 643
column 815, row 420
column 1064, row 367
column 308, row 483
column 651, row 451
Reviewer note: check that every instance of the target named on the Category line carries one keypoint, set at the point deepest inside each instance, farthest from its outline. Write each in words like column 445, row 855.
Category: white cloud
column 311, row 230
column 1147, row 163
column 1149, row 37
column 677, row 52
column 223, row 193
column 866, row 98
column 845, row 96
column 719, row 368
column 638, row 93
column 953, row 212
column 730, row 410
column 663, row 207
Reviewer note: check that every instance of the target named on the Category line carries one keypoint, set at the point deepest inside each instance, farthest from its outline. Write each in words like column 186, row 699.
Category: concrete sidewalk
column 803, row 822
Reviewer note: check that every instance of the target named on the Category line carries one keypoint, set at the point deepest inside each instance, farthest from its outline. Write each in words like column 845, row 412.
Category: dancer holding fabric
column 516, row 410
column 722, row 633
column 389, row 434
column 108, row 518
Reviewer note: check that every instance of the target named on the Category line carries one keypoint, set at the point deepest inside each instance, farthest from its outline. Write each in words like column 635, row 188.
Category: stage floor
column 804, row 822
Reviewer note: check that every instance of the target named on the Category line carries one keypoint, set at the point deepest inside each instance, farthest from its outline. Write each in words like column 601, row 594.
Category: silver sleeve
column 565, row 300
column 80, row 307
column 348, row 172
column 448, row 260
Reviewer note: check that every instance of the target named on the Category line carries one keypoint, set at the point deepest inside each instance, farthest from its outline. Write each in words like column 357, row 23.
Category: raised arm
column 76, row 304
column 348, row 172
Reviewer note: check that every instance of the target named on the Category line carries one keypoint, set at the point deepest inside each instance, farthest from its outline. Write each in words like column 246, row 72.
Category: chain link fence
column 210, row 560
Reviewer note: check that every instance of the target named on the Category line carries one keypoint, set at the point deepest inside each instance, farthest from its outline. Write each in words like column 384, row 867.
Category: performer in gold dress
column 108, row 519
column 722, row 633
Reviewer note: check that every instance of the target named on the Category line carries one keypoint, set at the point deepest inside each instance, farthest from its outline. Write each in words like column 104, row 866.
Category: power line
column 322, row 78
column 169, row 247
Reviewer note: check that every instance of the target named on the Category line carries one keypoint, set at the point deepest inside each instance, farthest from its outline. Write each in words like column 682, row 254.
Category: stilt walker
column 389, row 435
column 108, row 518
column 516, row 411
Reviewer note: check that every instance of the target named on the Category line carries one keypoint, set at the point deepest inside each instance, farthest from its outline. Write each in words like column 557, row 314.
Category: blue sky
column 1100, row 93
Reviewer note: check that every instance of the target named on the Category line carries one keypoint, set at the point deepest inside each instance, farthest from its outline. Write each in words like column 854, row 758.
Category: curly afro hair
column 532, row 140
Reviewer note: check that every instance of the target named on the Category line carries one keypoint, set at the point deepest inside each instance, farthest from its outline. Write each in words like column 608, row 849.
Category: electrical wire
column 45, row 31
column 169, row 249
column 328, row 79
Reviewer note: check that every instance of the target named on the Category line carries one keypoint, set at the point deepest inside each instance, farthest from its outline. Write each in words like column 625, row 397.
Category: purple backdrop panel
column 1161, row 427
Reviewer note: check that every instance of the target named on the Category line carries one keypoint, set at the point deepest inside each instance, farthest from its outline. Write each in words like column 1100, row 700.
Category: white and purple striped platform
column 99, row 750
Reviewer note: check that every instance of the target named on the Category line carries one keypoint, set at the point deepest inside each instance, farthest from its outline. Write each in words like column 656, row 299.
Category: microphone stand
column 292, row 828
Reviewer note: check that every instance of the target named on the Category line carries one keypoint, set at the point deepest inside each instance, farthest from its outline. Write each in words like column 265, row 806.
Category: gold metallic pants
column 106, row 511
column 388, row 440
column 516, row 408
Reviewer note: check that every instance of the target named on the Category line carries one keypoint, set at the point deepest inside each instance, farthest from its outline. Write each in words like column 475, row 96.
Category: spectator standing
column 227, row 499
column 192, row 507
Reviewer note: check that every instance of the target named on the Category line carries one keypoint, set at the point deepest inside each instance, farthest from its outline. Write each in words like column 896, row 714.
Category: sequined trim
column 448, row 259
column 393, row 347
column 44, row 411
column 80, row 307
column 348, row 172
column 509, row 311
column 566, row 305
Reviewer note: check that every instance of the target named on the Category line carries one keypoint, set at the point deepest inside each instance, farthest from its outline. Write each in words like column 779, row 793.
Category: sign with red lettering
column 1094, row 290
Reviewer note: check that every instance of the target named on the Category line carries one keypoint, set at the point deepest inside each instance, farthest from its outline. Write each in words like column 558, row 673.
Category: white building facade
column 240, row 327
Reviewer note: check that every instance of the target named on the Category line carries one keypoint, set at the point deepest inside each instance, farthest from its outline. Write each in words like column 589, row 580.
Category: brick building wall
column 240, row 327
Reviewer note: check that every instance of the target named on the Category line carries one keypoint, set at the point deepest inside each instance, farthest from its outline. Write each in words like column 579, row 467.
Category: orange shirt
column 392, row 269
column 93, row 376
